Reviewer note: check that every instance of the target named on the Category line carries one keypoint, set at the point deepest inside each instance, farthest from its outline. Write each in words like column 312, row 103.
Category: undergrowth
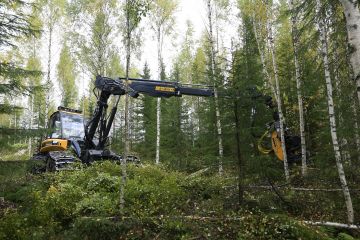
column 159, row 204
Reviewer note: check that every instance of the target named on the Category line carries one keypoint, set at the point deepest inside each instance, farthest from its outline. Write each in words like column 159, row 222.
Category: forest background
column 302, row 53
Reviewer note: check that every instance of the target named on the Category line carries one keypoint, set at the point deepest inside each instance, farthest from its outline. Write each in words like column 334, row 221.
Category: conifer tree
column 15, row 23
column 149, row 119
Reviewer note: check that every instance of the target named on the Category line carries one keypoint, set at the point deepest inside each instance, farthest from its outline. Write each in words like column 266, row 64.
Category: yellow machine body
column 276, row 146
column 49, row 145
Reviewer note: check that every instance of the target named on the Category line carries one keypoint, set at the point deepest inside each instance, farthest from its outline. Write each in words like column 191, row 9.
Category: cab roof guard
column 61, row 108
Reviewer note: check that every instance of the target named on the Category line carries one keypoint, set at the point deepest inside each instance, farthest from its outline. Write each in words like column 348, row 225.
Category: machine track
column 59, row 160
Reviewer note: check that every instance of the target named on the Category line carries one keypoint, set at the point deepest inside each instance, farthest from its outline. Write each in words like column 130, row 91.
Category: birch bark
column 295, row 40
column 262, row 58
column 162, row 21
column 332, row 119
column 277, row 93
column 48, row 79
column 127, row 145
column 158, row 103
column 343, row 141
column 352, row 15
column 216, row 97
column 31, row 123
column 356, row 128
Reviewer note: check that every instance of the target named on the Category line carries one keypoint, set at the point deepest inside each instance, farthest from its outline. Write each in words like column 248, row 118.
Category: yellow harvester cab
column 66, row 124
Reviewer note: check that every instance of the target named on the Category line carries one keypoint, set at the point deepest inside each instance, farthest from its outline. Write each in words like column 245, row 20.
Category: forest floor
column 159, row 204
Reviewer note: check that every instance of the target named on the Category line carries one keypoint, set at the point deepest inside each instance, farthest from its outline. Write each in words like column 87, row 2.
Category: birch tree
column 263, row 13
column 332, row 117
column 134, row 11
column 277, row 89
column 295, row 41
column 162, row 20
column 53, row 11
column 91, row 34
column 210, row 13
column 352, row 15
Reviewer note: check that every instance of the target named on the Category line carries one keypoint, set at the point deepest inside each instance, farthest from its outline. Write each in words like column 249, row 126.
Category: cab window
column 55, row 126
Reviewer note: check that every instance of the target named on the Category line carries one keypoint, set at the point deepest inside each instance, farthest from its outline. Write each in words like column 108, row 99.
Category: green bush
column 152, row 191
column 61, row 201
column 84, row 204
column 261, row 226
column 97, row 204
column 98, row 228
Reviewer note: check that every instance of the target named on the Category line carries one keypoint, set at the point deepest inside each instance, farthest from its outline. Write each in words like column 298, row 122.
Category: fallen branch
column 294, row 188
column 188, row 217
column 205, row 218
column 333, row 224
column 198, row 173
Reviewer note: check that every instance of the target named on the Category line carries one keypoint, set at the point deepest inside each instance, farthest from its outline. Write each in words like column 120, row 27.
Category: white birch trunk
column 352, row 15
column 354, row 109
column 333, row 224
column 356, row 129
column 216, row 97
column 262, row 59
column 278, row 94
column 295, row 39
column 48, row 79
column 127, row 146
column 31, row 123
column 343, row 141
column 332, row 119
column 158, row 104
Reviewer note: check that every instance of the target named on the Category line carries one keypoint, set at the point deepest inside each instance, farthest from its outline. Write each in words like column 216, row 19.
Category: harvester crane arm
column 101, row 122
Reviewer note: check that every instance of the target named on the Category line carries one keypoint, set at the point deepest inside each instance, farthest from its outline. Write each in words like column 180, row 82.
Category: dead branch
column 333, row 224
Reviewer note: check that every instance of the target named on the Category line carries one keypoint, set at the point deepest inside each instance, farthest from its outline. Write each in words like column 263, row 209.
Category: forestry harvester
column 72, row 138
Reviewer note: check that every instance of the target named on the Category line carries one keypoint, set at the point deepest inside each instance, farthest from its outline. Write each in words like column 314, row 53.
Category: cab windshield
column 72, row 125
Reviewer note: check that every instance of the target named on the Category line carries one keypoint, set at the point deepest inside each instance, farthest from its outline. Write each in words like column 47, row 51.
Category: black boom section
column 98, row 127
column 158, row 88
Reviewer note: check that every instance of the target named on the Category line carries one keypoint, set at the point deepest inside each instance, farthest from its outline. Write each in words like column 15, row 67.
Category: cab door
column 55, row 126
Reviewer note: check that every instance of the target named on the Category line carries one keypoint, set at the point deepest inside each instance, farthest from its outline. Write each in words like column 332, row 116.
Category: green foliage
column 15, row 22
column 159, row 202
column 275, row 227
column 147, row 146
column 162, row 16
column 159, row 194
column 99, row 228
column 344, row 236
column 66, row 76
column 136, row 10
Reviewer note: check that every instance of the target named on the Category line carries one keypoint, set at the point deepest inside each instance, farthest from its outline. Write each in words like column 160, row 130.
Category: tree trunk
column 352, row 15
column 48, row 79
column 158, row 104
column 295, row 39
column 216, row 97
column 332, row 119
column 262, row 58
column 343, row 141
column 31, row 123
column 127, row 146
column 353, row 106
column 238, row 153
column 278, row 94
column 356, row 130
